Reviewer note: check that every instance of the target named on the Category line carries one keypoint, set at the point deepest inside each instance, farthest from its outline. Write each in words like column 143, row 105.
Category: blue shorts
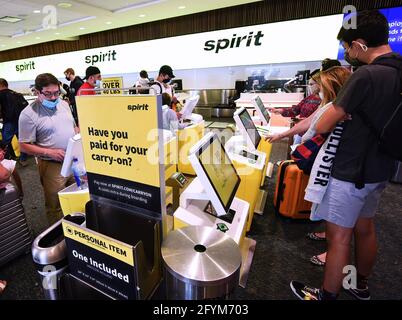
column 343, row 204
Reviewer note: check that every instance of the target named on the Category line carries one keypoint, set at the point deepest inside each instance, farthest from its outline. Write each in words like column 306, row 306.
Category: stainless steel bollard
column 200, row 263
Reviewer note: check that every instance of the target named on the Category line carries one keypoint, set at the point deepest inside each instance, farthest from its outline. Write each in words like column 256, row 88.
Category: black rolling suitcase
column 15, row 236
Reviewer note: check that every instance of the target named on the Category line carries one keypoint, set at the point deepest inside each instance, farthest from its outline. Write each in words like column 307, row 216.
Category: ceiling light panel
column 114, row 4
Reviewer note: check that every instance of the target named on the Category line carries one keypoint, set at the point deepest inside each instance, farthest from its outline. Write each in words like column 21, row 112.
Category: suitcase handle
column 281, row 185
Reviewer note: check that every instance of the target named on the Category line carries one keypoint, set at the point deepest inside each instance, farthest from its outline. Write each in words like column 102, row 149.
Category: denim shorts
column 343, row 204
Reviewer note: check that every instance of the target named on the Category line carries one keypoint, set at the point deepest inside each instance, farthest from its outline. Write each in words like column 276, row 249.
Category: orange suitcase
column 290, row 190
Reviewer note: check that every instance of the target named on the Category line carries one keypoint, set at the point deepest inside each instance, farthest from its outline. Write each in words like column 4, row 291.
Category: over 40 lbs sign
column 121, row 148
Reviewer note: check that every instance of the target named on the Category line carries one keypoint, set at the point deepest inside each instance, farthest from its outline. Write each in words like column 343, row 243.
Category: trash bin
column 200, row 263
column 49, row 254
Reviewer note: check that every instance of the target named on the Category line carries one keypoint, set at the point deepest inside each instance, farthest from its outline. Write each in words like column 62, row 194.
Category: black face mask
column 353, row 61
column 67, row 78
column 166, row 80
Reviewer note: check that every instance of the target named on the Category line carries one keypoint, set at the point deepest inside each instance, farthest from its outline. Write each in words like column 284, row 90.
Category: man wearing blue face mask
column 45, row 128
column 93, row 81
column 161, row 84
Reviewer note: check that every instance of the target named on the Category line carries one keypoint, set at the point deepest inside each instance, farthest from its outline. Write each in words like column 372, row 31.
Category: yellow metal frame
column 249, row 187
column 187, row 138
column 73, row 201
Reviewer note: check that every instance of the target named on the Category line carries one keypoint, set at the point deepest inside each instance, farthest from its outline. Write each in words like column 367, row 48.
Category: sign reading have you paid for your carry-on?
column 122, row 148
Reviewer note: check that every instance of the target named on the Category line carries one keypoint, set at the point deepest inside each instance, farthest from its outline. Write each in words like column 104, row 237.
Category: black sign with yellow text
column 100, row 261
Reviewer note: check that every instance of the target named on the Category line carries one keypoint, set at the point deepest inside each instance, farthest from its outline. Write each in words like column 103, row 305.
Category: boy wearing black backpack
column 364, row 161
column 12, row 103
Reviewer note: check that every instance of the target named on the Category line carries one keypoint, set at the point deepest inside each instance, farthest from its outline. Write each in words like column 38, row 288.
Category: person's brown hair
column 44, row 80
column 70, row 70
column 331, row 81
column 166, row 99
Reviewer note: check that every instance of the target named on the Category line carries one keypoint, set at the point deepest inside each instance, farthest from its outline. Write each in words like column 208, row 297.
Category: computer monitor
column 216, row 172
column 177, row 84
column 246, row 125
column 302, row 77
column 189, row 106
column 274, row 85
column 261, row 110
column 74, row 150
column 255, row 82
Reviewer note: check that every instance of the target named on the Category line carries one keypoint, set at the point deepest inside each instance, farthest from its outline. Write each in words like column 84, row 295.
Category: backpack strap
column 158, row 84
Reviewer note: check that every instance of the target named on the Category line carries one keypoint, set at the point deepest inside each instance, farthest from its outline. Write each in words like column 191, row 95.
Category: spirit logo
column 235, row 42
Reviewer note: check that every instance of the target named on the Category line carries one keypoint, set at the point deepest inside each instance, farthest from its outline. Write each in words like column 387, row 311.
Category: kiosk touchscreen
column 216, row 173
column 248, row 129
column 189, row 107
column 74, row 150
column 261, row 110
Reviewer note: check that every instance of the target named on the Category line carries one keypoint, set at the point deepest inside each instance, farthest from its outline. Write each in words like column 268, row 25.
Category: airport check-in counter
column 275, row 100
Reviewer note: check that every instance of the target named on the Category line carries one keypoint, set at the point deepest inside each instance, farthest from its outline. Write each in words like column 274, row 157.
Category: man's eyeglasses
column 51, row 94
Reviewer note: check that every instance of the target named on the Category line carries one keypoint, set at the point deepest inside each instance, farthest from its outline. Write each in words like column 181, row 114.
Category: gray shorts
column 343, row 204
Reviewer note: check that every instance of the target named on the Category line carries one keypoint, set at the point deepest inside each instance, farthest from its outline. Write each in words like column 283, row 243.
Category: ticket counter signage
column 112, row 85
column 123, row 148
column 100, row 261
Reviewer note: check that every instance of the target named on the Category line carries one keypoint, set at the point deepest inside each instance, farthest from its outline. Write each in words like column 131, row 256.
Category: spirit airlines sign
column 281, row 42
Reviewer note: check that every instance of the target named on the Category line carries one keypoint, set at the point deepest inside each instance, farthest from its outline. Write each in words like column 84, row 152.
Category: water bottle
column 80, row 174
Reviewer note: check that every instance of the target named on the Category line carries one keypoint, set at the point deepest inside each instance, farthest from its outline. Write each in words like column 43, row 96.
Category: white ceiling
column 89, row 16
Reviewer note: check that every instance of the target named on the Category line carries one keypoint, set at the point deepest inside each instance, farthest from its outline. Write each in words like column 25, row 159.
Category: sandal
column 3, row 285
column 313, row 236
column 315, row 260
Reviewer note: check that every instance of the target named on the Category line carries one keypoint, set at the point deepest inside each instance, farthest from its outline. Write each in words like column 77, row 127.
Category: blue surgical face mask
column 97, row 83
column 50, row 104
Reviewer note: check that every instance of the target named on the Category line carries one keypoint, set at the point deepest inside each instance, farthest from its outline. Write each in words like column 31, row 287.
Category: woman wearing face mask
column 328, row 88
column 330, row 83
column 93, row 81
column 307, row 106
column 45, row 127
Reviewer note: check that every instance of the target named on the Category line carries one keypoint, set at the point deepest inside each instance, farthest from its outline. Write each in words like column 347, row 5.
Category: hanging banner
column 103, row 262
column 122, row 148
column 112, row 85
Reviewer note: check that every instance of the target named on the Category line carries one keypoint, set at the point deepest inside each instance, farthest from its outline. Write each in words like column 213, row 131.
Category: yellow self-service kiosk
column 210, row 199
column 190, row 135
column 73, row 198
column 170, row 160
column 250, row 166
column 250, row 162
